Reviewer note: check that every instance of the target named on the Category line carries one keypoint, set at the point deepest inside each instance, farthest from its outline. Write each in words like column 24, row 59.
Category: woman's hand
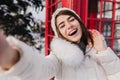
column 97, row 40
column 8, row 55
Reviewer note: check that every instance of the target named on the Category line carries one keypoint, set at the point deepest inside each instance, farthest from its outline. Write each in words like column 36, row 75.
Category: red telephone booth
column 102, row 15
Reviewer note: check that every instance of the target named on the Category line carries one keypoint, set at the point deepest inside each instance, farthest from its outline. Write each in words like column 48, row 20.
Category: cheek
column 80, row 29
column 62, row 32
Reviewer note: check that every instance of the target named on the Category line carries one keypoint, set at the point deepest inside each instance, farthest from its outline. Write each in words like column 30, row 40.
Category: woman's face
column 69, row 28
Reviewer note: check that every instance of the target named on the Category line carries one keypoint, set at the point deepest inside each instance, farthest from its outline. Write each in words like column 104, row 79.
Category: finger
column 96, row 32
column 89, row 43
column 93, row 33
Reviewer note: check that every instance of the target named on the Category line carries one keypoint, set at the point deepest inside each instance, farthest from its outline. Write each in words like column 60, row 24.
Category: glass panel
column 117, row 12
column 117, row 30
column 106, row 10
column 59, row 5
column 106, row 29
column 108, row 42
column 116, row 46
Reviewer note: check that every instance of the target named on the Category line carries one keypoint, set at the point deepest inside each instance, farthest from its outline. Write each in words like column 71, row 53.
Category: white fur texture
column 67, row 52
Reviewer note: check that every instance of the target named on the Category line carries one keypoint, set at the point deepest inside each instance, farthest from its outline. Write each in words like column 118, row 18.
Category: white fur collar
column 67, row 52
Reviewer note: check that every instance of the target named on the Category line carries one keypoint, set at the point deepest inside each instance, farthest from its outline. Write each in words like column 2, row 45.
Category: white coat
column 65, row 62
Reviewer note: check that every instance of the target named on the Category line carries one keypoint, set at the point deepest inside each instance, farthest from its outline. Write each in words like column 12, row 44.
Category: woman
column 76, row 54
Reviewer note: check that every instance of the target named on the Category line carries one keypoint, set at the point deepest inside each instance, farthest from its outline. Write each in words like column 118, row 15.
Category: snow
column 37, row 14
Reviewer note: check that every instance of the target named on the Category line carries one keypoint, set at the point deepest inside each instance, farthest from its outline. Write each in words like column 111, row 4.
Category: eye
column 61, row 26
column 71, row 19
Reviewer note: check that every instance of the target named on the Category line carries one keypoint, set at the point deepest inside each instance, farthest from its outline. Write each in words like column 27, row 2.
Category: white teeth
column 72, row 32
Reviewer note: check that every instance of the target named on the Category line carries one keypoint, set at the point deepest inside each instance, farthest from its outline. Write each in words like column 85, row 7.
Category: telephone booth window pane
column 106, row 29
column 106, row 10
column 117, row 12
column 116, row 46
column 59, row 5
column 108, row 42
column 117, row 30
column 117, row 17
column 118, row 6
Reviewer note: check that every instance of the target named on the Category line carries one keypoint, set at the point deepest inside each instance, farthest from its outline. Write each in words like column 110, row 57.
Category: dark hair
column 1, row 24
column 85, row 33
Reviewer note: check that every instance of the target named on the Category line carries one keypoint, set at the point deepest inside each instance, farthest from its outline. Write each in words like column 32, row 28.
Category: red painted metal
column 91, row 12
column 67, row 3
column 46, row 28
column 101, row 8
column 113, row 23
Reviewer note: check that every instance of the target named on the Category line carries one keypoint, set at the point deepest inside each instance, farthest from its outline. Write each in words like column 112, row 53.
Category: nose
column 69, row 25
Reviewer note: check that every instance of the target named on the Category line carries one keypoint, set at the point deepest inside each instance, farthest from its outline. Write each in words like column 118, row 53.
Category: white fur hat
column 54, row 15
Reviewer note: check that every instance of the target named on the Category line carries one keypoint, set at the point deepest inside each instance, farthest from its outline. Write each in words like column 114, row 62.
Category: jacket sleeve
column 110, row 63
column 32, row 65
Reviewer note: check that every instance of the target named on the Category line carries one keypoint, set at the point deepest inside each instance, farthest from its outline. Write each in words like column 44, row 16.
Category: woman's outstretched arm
column 24, row 62
column 9, row 54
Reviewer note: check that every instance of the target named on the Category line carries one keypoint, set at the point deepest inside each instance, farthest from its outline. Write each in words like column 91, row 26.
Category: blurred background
column 25, row 20
column 29, row 20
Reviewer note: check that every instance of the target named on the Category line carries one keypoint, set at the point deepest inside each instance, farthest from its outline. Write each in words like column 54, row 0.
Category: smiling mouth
column 73, row 32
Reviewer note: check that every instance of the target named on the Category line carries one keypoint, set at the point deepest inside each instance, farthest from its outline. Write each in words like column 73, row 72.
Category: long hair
column 85, row 33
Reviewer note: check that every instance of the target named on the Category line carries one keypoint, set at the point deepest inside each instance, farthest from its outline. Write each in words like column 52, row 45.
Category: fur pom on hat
column 55, row 14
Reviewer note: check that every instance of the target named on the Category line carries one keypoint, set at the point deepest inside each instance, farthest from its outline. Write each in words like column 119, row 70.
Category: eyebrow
column 63, row 21
column 60, row 23
column 69, row 17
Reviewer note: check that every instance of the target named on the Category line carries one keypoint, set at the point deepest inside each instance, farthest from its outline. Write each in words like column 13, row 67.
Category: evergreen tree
column 14, row 19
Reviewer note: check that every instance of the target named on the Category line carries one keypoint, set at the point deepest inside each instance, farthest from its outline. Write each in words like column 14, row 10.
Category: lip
column 73, row 32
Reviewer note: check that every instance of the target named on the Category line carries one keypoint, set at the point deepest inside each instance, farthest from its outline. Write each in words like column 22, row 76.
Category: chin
column 76, row 39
